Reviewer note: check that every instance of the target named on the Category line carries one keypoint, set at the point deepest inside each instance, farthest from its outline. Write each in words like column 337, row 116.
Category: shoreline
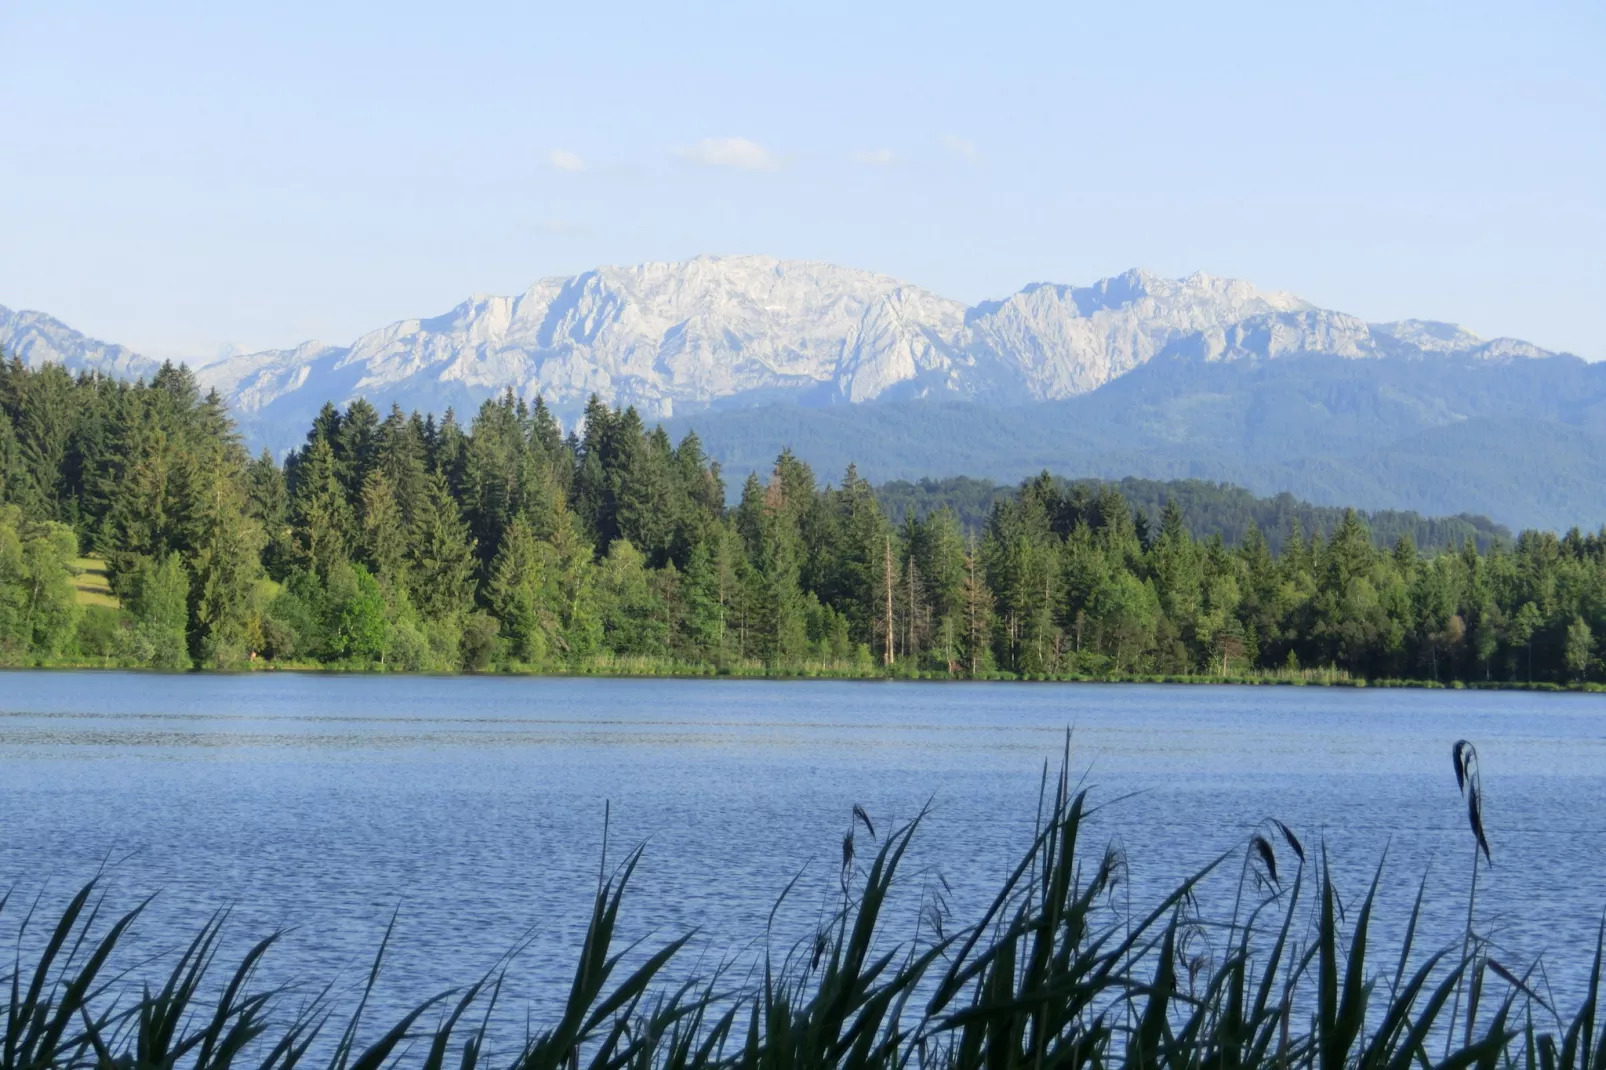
column 1303, row 678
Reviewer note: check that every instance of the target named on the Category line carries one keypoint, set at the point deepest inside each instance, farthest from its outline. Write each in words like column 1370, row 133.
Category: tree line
column 403, row 542
column 1209, row 508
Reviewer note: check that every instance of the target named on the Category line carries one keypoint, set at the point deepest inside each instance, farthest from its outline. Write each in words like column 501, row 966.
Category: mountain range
column 1200, row 377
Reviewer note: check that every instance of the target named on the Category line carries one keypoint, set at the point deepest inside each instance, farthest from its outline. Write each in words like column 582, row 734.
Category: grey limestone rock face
column 1060, row 341
column 37, row 339
column 670, row 337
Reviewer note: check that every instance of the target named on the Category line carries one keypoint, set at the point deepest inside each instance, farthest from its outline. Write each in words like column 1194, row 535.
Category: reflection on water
column 474, row 805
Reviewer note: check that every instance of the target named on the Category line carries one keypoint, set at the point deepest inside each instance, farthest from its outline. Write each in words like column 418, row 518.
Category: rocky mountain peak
column 725, row 331
column 36, row 339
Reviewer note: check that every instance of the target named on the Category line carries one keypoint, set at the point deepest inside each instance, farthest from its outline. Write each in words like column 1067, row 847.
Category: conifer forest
column 396, row 541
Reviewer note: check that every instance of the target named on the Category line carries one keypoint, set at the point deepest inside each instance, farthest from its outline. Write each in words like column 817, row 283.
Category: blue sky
column 179, row 176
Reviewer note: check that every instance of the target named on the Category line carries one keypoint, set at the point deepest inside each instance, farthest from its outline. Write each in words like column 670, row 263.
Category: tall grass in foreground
column 1051, row 975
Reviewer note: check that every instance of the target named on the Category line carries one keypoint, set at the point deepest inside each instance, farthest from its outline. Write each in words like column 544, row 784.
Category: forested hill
column 1520, row 441
column 1208, row 509
column 399, row 542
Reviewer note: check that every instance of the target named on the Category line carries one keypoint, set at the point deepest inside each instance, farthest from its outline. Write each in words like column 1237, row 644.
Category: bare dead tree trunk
column 909, row 623
column 1048, row 616
column 915, row 630
column 887, row 655
column 970, row 605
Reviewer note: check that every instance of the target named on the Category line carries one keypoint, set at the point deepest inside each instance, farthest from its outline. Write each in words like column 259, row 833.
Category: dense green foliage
column 1061, row 971
column 398, row 542
column 1207, row 509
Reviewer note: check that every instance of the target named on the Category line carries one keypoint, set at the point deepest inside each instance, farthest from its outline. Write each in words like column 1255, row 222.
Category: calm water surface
column 474, row 806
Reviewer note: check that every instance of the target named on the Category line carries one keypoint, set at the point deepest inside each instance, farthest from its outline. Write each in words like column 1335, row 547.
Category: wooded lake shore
column 135, row 531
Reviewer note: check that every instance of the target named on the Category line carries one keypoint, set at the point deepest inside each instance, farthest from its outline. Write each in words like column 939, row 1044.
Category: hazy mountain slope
column 1523, row 442
column 1526, row 473
column 36, row 339
column 1319, row 403
column 1522, row 473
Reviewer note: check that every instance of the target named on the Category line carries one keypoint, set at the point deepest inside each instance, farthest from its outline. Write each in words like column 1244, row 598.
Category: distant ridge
column 1209, row 510
column 672, row 338
column 35, row 339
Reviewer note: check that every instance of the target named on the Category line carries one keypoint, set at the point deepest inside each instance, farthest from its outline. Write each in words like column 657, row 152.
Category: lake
column 472, row 808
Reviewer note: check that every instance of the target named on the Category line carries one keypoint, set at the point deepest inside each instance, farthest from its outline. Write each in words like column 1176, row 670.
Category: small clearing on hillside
column 92, row 584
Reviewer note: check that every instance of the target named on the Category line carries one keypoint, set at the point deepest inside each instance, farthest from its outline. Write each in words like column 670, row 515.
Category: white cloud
column 737, row 152
column 564, row 160
column 876, row 158
column 961, row 148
